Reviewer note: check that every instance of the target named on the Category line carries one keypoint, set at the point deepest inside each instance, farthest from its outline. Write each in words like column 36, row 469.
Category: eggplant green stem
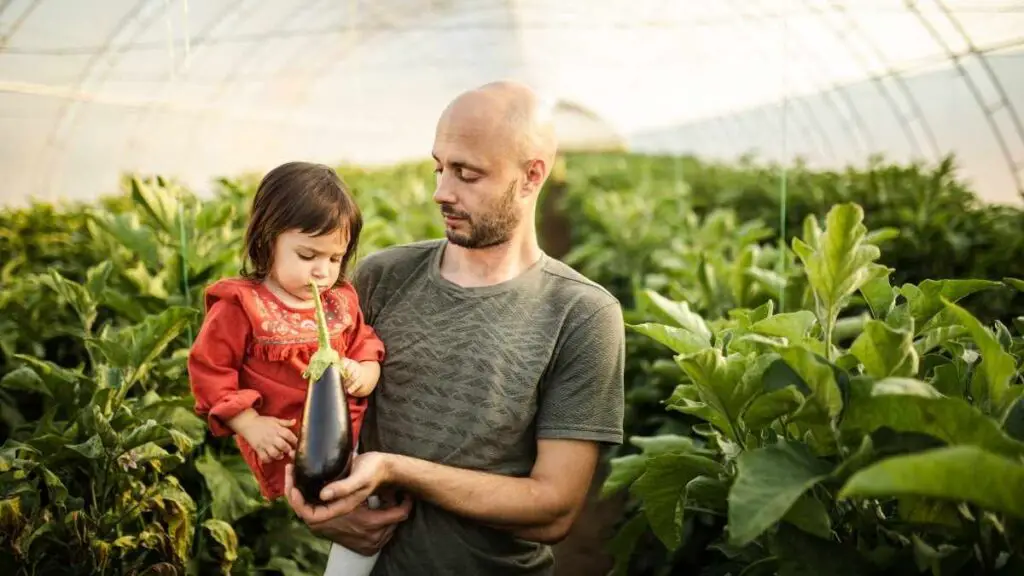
column 325, row 356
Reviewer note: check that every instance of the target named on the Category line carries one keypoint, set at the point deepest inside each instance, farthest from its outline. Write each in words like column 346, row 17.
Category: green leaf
column 766, row 408
column 819, row 377
column 879, row 294
column 993, row 376
column 226, row 551
column 768, row 483
column 720, row 384
column 663, row 443
column 955, row 473
column 841, row 263
column 623, row 471
column 885, row 351
column 793, row 326
column 27, row 380
column 680, row 313
column 926, row 299
column 91, row 448
column 234, row 492
column 911, row 409
column 810, row 515
column 73, row 294
column 1015, row 283
column 679, row 340
column 136, row 347
column 661, row 489
column 148, row 432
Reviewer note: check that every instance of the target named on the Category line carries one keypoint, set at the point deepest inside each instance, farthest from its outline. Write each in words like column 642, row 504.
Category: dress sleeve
column 214, row 364
column 361, row 343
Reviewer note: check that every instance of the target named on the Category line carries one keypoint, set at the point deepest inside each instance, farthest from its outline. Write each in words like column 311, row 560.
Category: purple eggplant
column 326, row 444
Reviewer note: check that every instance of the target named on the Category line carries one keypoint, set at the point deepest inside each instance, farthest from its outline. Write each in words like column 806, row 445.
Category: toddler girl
column 260, row 328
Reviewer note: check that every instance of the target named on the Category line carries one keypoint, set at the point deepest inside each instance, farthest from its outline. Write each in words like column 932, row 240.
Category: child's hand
column 270, row 437
column 356, row 385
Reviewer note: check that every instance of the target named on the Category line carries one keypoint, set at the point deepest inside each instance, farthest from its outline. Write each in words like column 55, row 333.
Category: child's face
column 299, row 257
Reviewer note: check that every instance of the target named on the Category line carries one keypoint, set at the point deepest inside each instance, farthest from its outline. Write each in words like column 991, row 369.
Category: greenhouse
column 810, row 214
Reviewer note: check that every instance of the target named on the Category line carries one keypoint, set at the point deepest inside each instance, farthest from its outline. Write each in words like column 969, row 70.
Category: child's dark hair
column 299, row 195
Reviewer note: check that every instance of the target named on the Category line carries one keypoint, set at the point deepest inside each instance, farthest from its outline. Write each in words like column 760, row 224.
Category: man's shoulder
column 571, row 288
column 399, row 256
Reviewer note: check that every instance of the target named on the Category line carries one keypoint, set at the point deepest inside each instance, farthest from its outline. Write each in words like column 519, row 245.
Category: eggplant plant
column 901, row 453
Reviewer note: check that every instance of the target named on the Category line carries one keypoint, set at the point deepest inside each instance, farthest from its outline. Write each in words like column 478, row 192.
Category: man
column 503, row 372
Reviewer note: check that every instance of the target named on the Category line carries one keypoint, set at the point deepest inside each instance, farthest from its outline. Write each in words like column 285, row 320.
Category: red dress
column 251, row 352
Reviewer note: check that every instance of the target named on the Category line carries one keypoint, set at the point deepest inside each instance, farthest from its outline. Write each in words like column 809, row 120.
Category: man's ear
column 536, row 173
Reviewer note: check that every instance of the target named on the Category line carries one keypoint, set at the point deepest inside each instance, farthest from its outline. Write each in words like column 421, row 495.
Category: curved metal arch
column 329, row 59
column 835, row 89
column 198, row 43
column 231, row 79
column 808, row 111
column 988, row 110
column 395, row 24
column 883, row 90
column 17, row 23
column 72, row 118
column 46, row 157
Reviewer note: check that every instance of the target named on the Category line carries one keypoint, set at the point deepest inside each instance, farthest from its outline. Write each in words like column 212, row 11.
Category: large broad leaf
column 920, row 409
column 825, row 396
column 793, row 326
column 926, row 299
column 234, row 492
column 680, row 314
column 955, row 473
column 662, row 487
column 768, row 483
column 679, row 340
column 720, row 384
column 997, row 369
column 841, row 263
column 135, row 348
column 879, row 294
column 885, row 351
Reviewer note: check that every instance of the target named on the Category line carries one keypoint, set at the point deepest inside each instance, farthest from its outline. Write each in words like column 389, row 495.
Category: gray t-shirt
column 472, row 377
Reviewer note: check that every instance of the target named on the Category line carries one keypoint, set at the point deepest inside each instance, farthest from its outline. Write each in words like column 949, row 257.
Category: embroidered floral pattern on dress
column 294, row 327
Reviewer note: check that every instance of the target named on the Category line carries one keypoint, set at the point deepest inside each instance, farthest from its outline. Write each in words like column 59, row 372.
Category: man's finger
column 385, row 517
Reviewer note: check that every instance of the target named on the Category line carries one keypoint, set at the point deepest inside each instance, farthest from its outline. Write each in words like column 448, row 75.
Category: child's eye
column 306, row 257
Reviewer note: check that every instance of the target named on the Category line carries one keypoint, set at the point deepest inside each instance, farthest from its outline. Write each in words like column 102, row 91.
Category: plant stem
column 323, row 336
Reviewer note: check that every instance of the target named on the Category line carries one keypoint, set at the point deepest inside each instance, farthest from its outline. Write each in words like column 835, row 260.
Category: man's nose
column 443, row 194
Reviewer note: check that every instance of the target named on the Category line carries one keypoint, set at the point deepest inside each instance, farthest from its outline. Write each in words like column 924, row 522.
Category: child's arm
column 365, row 375
column 364, row 351
column 214, row 363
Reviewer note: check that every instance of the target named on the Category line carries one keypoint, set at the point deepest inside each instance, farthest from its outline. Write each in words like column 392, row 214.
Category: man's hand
column 541, row 507
column 357, row 528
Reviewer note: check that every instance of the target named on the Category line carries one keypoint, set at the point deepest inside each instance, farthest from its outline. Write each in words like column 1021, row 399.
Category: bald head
column 513, row 114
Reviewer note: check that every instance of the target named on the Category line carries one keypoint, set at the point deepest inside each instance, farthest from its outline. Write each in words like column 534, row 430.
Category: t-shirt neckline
column 453, row 288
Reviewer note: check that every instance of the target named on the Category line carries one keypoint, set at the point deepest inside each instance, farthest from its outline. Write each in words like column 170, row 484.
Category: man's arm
column 540, row 507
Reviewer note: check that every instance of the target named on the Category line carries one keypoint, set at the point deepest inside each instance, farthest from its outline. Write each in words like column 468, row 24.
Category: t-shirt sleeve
column 365, row 278
column 362, row 343
column 214, row 362
column 582, row 397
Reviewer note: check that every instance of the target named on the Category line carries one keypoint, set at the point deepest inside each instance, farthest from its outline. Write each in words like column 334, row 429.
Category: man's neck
column 472, row 268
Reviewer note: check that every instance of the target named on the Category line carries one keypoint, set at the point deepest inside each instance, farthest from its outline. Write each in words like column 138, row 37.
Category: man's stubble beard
column 490, row 229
